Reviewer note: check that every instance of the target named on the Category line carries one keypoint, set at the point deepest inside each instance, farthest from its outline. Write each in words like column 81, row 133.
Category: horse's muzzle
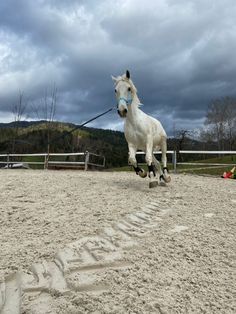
column 122, row 113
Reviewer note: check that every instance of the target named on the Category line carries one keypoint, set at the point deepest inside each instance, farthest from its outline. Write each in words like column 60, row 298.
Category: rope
column 74, row 129
column 80, row 126
column 71, row 131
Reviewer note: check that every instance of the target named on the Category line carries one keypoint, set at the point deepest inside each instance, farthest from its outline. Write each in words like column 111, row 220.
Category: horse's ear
column 127, row 74
column 114, row 78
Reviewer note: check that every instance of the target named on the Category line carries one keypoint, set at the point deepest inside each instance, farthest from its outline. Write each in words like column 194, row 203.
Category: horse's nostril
column 122, row 113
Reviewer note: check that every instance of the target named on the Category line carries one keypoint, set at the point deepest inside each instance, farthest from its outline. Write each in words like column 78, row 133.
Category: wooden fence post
column 46, row 159
column 8, row 160
column 174, row 161
column 86, row 161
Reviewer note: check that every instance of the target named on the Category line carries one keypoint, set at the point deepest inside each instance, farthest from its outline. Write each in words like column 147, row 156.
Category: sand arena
column 103, row 242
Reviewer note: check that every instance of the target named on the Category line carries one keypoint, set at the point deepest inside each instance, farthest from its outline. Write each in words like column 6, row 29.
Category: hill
column 32, row 137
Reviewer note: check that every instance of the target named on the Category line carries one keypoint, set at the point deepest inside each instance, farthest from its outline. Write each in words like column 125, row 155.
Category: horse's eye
column 115, row 91
column 129, row 89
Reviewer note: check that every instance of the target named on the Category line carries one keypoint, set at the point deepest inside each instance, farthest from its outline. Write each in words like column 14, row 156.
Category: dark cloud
column 180, row 54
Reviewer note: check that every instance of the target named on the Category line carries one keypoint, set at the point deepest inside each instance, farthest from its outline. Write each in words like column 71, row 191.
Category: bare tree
column 221, row 122
column 215, row 117
column 50, row 103
column 18, row 110
column 181, row 136
column 180, row 140
column 230, row 123
column 45, row 109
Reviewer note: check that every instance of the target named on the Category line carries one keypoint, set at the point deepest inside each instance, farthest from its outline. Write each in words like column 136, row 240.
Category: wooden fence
column 88, row 160
column 175, row 161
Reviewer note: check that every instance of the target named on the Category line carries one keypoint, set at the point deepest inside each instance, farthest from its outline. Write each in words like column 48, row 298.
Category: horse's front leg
column 166, row 175
column 132, row 161
column 154, row 177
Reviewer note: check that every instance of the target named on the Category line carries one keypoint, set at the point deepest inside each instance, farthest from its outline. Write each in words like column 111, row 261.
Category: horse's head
column 124, row 90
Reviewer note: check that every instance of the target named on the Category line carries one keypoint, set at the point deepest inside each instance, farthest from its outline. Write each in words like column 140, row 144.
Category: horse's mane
column 132, row 86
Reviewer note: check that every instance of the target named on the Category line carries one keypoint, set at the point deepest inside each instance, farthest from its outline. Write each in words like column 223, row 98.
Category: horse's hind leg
column 166, row 175
column 154, row 179
column 159, row 171
column 132, row 161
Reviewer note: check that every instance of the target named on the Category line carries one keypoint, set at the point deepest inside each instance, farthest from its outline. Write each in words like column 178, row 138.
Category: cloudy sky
column 181, row 55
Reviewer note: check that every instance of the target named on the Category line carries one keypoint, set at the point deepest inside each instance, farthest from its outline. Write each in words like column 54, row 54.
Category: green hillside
column 33, row 138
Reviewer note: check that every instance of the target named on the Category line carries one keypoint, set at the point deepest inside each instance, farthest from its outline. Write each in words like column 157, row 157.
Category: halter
column 128, row 101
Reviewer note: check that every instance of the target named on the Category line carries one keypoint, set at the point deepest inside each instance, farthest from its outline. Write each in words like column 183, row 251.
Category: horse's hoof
column 142, row 173
column 153, row 184
column 166, row 175
column 167, row 179
column 162, row 183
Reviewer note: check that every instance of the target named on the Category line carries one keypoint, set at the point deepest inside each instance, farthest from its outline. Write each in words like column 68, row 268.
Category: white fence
column 9, row 160
column 196, row 152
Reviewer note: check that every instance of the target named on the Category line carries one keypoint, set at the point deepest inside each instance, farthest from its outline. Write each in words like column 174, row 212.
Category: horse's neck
column 134, row 110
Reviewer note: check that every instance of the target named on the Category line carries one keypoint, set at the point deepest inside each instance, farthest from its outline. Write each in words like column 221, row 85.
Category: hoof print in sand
column 209, row 215
column 81, row 266
column 179, row 228
column 11, row 295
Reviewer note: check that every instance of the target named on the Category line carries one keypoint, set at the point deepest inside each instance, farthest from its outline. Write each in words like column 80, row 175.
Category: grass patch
column 28, row 159
column 210, row 171
column 220, row 159
column 198, row 169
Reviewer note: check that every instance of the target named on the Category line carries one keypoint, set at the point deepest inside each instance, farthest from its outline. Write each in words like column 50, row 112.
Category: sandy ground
column 102, row 242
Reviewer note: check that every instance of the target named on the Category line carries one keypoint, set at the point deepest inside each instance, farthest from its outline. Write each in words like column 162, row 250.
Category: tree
column 180, row 140
column 45, row 110
column 230, row 112
column 18, row 110
column 221, row 122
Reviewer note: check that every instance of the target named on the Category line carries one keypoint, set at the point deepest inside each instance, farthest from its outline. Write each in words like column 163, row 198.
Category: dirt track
column 106, row 243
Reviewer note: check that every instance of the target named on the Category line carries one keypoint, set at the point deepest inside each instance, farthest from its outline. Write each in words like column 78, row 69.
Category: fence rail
column 196, row 152
column 9, row 160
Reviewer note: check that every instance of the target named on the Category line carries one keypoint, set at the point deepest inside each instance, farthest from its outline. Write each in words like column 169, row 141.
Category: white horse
column 141, row 132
